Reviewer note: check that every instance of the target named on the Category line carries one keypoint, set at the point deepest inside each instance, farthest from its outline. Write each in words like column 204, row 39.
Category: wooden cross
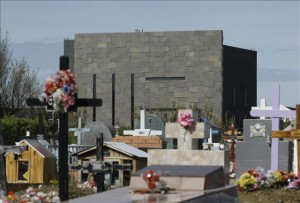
column 292, row 134
column 186, row 138
column 63, row 132
column 275, row 113
column 232, row 134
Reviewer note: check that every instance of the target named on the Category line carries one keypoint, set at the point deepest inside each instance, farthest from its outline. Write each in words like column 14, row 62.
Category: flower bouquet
column 60, row 90
column 154, row 183
column 258, row 179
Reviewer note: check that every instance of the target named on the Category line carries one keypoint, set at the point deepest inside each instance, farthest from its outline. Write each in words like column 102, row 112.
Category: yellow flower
column 277, row 176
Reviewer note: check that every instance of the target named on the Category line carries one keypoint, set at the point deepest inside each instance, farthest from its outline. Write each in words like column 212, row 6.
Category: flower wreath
column 60, row 90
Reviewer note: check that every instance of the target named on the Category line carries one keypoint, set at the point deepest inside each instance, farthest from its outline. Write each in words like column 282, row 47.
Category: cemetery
column 193, row 157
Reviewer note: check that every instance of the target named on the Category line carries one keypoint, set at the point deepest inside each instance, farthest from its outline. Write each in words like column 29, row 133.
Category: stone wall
column 184, row 67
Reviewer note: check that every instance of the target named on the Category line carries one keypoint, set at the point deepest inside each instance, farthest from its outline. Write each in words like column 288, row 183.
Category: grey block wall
column 194, row 56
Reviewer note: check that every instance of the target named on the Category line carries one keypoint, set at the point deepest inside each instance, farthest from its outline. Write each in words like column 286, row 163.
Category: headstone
column 292, row 134
column 79, row 130
column 142, row 131
column 255, row 150
column 187, row 139
column 187, row 152
column 153, row 122
column 89, row 138
column 275, row 113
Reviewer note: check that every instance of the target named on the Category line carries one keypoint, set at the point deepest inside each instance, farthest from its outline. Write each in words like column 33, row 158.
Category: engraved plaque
column 257, row 130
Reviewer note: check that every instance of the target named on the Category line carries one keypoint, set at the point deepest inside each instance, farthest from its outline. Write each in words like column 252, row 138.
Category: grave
column 96, row 128
column 154, row 123
column 79, row 130
column 292, row 134
column 63, row 130
column 143, row 138
column 142, row 131
column 255, row 150
column 192, row 184
column 275, row 112
column 187, row 152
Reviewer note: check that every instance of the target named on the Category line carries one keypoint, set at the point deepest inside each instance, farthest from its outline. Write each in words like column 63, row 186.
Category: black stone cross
column 63, row 133
column 99, row 176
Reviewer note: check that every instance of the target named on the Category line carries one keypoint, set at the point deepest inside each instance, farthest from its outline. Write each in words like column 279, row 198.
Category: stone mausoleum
column 156, row 69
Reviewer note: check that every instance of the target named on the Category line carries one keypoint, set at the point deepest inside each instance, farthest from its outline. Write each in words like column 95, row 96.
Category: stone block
column 254, row 154
column 183, row 177
column 189, row 157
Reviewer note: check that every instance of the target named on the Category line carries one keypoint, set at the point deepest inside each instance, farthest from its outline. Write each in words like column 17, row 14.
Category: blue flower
column 67, row 89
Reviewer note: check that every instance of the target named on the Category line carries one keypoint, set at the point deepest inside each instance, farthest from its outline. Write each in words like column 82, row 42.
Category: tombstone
column 187, row 152
column 275, row 112
column 255, row 150
column 89, row 138
column 193, row 184
column 142, row 131
column 292, row 134
column 187, row 140
column 153, row 122
column 78, row 131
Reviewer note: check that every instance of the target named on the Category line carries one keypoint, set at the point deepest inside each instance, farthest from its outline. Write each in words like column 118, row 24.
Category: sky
column 37, row 30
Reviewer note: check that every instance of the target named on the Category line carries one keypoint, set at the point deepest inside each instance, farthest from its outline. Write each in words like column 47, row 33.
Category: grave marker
column 186, row 139
column 255, row 149
column 292, row 134
column 63, row 132
column 78, row 131
column 232, row 135
column 275, row 113
column 142, row 131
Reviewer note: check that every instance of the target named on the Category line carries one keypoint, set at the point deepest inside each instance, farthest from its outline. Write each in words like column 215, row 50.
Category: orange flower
column 250, row 171
column 291, row 175
column 285, row 178
column 255, row 174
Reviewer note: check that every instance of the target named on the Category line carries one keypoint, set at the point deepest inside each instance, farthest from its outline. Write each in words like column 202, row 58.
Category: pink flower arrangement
column 185, row 120
column 60, row 90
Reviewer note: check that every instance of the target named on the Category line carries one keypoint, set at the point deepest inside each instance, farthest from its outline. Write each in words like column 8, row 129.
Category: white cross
column 142, row 131
column 185, row 138
column 78, row 131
